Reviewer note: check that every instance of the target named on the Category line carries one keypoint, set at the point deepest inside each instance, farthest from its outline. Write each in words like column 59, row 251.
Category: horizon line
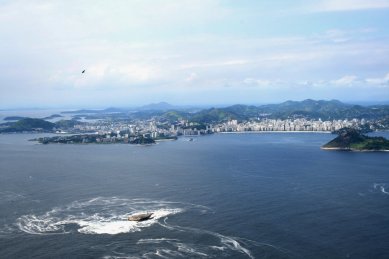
column 137, row 106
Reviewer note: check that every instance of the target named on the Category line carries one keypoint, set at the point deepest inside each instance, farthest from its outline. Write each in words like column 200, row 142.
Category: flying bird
column 83, row 71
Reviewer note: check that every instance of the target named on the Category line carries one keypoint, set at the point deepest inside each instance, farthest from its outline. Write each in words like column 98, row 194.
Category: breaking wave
column 103, row 215
column 187, row 242
column 381, row 187
column 97, row 216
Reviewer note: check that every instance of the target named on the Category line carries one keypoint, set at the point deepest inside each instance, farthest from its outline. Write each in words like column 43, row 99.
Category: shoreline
column 164, row 140
column 275, row 131
column 353, row 149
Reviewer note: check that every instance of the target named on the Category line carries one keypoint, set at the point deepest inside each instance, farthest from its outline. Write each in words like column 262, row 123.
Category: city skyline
column 191, row 52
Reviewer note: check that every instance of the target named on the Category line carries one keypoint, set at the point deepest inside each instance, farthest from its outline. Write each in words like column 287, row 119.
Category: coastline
column 275, row 131
column 353, row 149
column 164, row 140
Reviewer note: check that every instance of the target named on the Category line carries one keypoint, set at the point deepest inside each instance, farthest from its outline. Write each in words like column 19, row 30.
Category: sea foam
column 381, row 187
column 97, row 216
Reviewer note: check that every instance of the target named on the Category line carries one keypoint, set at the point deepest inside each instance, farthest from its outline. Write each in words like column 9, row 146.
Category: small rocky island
column 350, row 139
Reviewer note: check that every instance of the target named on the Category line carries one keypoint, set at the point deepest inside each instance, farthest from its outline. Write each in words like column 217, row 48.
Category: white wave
column 97, row 225
column 39, row 224
column 226, row 242
column 186, row 242
column 118, row 257
column 97, row 216
column 163, row 253
column 156, row 240
column 109, row 216
column 234, row 245
column 166, row 253
column 173, row 248
column 222, row 248
column 189, row 250
column 381, row 187
column 112, row 228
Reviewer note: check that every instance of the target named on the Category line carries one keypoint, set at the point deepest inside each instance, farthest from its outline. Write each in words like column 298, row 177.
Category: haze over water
column 221, row 196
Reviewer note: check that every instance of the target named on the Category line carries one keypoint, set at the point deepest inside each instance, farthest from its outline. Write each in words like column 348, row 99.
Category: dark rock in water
column 140, row 217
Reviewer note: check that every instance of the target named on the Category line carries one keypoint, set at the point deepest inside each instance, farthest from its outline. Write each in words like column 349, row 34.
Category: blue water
column 269, row 195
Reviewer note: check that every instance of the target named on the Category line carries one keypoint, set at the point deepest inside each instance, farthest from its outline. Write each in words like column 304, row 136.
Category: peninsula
column 350, row 139
column 112, row 138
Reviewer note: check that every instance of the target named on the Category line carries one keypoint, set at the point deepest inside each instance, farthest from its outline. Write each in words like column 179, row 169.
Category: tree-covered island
column 350, row 139
column 109, row 138
column 97, row 139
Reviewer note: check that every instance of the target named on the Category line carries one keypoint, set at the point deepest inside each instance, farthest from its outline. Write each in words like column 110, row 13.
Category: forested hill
column 311, row 109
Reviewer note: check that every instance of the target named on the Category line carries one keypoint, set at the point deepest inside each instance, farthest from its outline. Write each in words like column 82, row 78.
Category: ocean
column 267, row 195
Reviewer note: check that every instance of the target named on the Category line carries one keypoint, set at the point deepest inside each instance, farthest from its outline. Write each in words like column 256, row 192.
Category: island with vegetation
column 350, row 139
column 54, row 116
column 28, row 125
column 96, row 139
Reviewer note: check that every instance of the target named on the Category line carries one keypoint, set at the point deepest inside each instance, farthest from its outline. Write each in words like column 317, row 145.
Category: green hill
column 352, row 139
column 310, row 109
column 214, row 115
column 29, row 124
column 65, row 124
column 173, row 116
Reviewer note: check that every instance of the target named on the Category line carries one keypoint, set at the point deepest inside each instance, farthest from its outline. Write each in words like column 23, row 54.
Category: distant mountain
column 54, row 116
column 14, row 118
column 307, row 108
column 91, row 111
column 311, row 109
column 65, row 124
column 161, row 106
column 82, row 111
column 326, row 110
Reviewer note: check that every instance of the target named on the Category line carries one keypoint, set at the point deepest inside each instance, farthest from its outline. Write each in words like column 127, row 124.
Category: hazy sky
column 191, row 52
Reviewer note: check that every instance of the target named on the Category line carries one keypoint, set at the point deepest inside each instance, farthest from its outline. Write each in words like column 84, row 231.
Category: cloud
column 336, row 36
column 344, row 81
column 128, row 47
column 347, row 80
column 348, row 5
column 262, row 83
column 192, row 77
column 380, row 81
column 220, row 63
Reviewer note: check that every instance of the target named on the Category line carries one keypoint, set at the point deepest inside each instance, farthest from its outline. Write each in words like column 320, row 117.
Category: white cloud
column 192, row 77
column 344, row 81
column 348, row 5
column 216, row 63
column 335, row 35
column 380, row 81
column 129, row 46
column 257, row 82
column 347, row 80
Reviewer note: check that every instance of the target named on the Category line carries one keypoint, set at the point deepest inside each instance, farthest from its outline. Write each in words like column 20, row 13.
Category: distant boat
column 191, row 139
column 140, row 217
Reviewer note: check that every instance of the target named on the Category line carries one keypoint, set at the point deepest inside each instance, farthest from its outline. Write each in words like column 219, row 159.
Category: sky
column 191, row 52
